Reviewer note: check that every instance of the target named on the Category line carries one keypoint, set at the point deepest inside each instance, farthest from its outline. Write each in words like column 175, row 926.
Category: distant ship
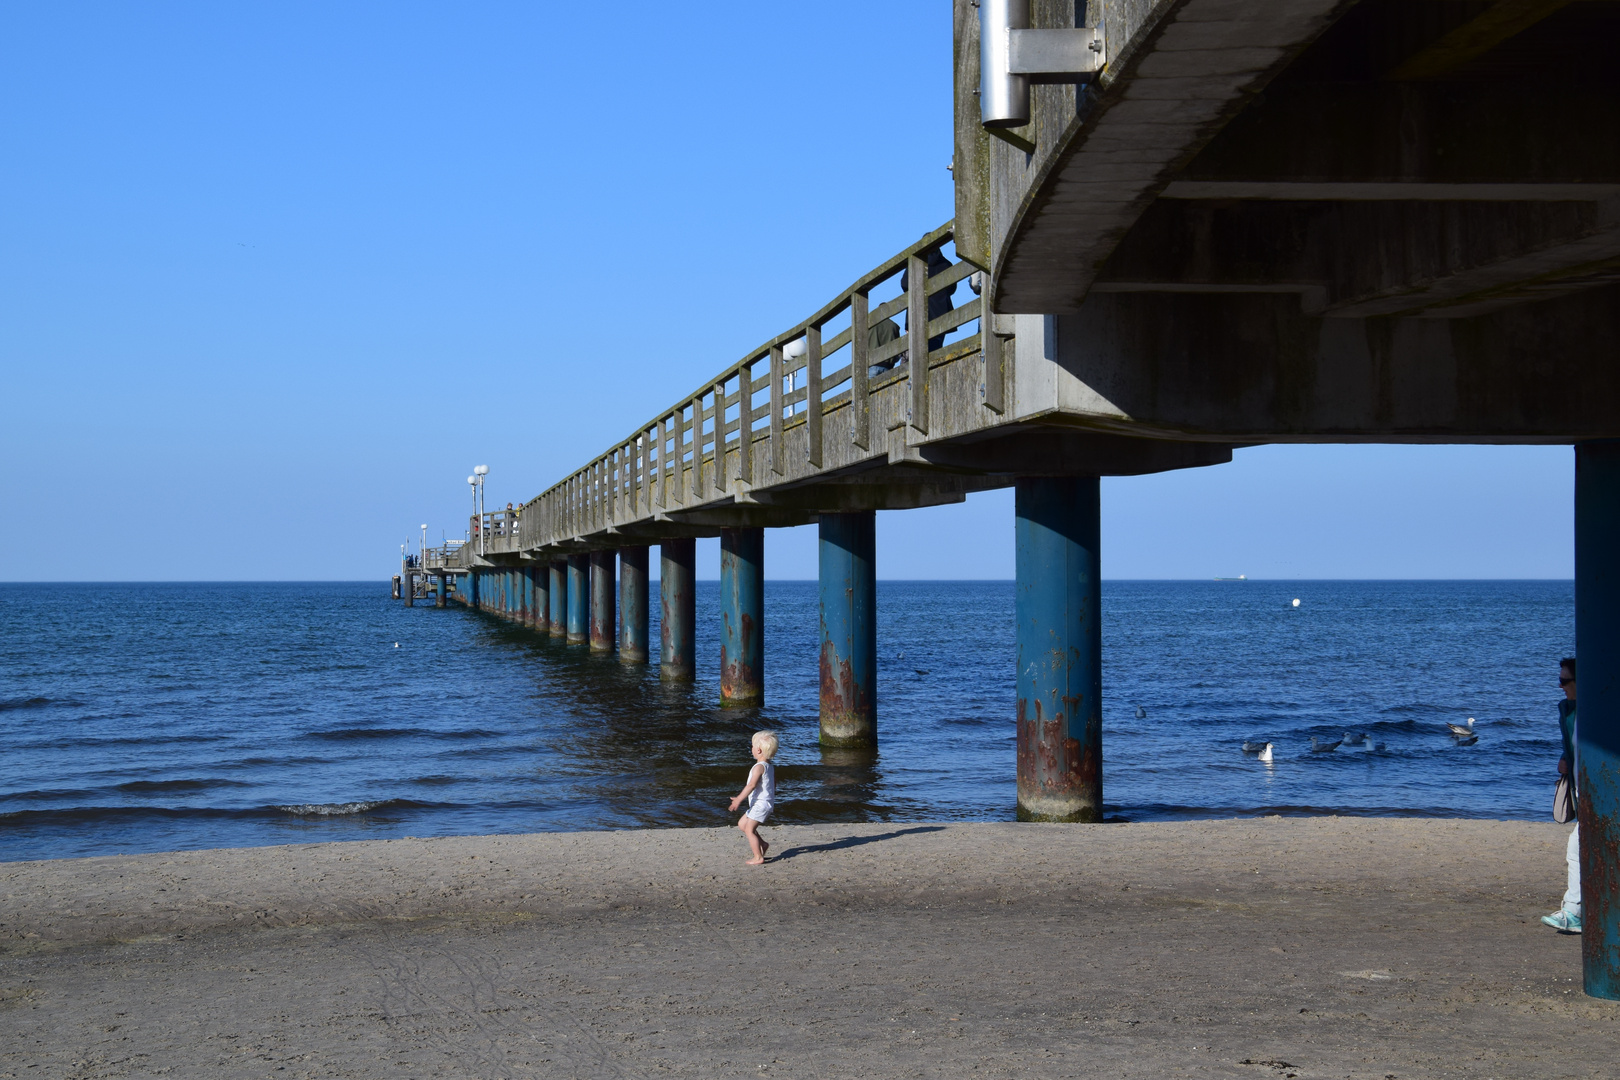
column 1240, row 577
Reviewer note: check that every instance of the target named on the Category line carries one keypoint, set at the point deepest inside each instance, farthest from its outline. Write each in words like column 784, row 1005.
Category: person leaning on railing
column 938, row 304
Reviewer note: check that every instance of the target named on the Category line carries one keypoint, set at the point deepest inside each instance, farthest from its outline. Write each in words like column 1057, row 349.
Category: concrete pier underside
column 1271, row 948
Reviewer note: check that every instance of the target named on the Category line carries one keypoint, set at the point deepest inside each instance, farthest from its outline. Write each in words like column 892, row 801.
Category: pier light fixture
column 477, row 480
column 1012, row 56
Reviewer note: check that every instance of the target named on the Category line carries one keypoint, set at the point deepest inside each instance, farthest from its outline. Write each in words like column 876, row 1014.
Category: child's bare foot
column 764, row 849
column 755, row 862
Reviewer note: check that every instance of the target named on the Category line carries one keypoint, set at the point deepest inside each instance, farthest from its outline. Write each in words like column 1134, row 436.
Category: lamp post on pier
column 479, row 472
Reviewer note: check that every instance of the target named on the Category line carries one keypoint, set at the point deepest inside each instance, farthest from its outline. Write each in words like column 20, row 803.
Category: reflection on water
column 153, row 717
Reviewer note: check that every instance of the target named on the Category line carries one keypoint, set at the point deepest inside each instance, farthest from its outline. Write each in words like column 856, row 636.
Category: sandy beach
column 1322, row 947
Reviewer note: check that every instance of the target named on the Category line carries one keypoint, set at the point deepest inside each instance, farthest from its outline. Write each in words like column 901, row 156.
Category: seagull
column 1352, row 739
column 396, row 644
column 1141, row 713
column 1320, row 747
column 1254, row 747
column 1265, row 753
column 1463, row 732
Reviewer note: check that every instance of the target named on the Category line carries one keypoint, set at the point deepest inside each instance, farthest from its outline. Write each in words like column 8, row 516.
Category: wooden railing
column 765, row 419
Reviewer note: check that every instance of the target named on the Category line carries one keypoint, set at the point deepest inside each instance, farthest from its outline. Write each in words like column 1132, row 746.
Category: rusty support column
column 633, row 604
column 602, row 621
column 1597, row 731
column 742, row 616
column 559, row 599
column 1058, row 612
column 848, row 575
column 441, row 581
column 579, row 597
column 677, row 613
column 410, row 589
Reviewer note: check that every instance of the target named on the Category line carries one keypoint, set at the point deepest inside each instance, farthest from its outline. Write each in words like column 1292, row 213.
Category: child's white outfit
column 763, row 797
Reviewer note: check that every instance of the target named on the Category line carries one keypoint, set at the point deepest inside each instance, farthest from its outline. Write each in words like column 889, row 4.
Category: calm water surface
column 151, row 717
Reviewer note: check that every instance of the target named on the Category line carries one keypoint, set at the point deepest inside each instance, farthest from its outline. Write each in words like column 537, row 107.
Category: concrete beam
column 1253, row 368
column 1366, row 258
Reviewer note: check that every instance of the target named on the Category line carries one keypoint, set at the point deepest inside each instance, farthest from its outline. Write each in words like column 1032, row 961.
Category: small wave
column 340, row 734
column 7, row 704
column 46, row 794
column 106, row 814
column 144, row 786
column 348, row 808
column 118, row 740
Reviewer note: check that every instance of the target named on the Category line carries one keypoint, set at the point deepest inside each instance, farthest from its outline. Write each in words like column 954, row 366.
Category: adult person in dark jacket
column 1568, row 917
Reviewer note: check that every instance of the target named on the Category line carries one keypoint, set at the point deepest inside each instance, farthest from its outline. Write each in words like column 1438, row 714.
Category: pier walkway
column 1188, row 226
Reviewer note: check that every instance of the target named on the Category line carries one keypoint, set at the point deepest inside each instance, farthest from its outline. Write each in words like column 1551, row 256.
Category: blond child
column 760, row 791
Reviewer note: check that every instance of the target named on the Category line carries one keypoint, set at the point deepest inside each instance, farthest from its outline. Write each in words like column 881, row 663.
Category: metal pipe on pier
column 848, row 586
column 579, row 595
column 742, row 616
column 1597, row 733
column 602, row 601
column 1058, row 611
column 633, row 604
column 677, row 615
column 558, row 572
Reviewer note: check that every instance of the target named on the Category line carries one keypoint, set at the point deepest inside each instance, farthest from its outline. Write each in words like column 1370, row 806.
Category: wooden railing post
column 698, row 490
column 812, row 390
column 745, row 424
column 860, row 407
column 917, row 339
column 720, row 471
column 778, row 461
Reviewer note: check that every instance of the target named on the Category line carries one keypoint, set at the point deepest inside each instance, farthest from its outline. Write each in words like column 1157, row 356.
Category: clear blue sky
column 275, row 277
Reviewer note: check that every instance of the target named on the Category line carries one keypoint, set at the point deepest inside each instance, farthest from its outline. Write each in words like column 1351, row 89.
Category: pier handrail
column 669, row 461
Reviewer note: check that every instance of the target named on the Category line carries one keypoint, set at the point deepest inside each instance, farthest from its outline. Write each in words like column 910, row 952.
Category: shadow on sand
column 852, row 841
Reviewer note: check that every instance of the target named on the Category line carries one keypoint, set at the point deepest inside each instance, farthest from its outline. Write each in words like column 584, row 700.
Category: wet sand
column 1323, row 947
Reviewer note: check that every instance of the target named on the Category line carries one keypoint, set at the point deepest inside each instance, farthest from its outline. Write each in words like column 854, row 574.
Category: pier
column 1181, row 228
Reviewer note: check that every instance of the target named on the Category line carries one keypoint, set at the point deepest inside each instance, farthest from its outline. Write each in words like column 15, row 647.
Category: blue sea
column 154, row 717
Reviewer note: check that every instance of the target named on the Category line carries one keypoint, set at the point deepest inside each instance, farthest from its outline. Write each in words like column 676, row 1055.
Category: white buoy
column 1296, row 601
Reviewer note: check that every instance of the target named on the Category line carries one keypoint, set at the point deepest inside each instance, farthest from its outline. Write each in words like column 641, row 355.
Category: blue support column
column 1058, row 617
column 742, row 616
column 472, row 589
column 579, row 599
column 848, row 574
column 633, row 605
column 526, row 586
column 542, row 598
column 603, row 623
column 677, row 613
column 559, row 599
column 410, row 588
column 1597, row 750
